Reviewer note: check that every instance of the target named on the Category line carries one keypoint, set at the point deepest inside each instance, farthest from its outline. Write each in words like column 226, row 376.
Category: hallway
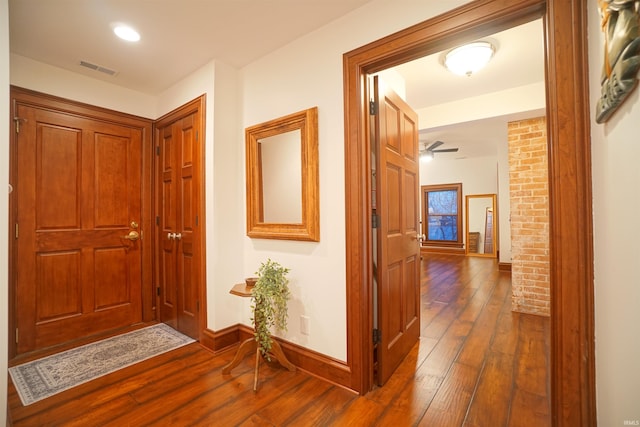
column 477, row 364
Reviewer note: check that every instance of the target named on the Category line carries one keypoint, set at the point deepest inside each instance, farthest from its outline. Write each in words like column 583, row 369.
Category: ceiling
column 180, row 36
column 177, row 36
column 518, row 61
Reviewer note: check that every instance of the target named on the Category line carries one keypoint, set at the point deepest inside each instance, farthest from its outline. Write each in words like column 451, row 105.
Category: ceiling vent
column 99, row 68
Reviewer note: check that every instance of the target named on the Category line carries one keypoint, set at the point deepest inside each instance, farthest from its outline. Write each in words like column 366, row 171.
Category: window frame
column 424, row 191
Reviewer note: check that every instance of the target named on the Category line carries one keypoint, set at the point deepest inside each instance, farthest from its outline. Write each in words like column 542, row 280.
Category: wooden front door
column 178, row 139
column 398, row 253
column 78, row 195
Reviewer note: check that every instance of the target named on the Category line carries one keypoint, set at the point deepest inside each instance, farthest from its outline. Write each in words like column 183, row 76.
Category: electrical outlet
column 304, row 325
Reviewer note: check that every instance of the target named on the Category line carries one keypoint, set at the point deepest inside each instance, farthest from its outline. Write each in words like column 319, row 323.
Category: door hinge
column 158, row 290
column 374, row 220
column 377, row 336
column 373, row 108
column 157, row 150
column 17, row 230
column 18, row 120
column 16, row 335
column 157, row 220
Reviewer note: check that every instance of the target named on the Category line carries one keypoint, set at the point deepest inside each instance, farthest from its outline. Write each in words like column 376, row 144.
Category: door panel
column 188, row 312
column 79, row 188
column 179, row 206
column 398, row 267
column 58, row 286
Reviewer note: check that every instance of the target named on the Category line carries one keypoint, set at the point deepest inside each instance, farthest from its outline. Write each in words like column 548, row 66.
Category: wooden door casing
column 572, row 323
column 398, row 258
column 79, row 186
column 179, row 218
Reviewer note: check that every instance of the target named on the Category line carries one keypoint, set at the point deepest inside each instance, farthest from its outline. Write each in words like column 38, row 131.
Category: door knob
column 133, row 236
column 174, row 236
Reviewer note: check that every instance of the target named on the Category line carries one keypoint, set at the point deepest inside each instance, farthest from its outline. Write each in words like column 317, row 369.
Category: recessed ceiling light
column 126, row 33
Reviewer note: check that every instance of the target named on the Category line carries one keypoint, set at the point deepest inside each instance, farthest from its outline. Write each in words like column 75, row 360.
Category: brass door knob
column 133, row 236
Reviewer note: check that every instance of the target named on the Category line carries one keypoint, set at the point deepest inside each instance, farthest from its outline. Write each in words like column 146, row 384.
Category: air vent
column 99, row 68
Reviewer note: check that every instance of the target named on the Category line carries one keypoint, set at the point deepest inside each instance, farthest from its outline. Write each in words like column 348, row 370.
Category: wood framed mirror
column 282, row 178
column 480, row 225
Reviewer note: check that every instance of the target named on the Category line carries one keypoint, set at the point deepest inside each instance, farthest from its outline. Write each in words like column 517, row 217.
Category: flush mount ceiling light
column 469, row 58
column 126, row 33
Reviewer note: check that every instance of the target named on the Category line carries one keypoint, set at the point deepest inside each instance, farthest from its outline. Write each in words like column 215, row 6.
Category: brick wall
column 529, row 196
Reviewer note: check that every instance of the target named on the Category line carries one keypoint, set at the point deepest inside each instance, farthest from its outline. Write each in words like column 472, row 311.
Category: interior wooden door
column 179, row 220
column 398, row 254
column 79, row 262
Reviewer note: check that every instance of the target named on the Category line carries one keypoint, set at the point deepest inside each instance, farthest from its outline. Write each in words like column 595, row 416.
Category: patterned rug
column 45, row 377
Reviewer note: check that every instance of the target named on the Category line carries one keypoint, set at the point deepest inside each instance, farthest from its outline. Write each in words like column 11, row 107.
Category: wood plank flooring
column 477, row 365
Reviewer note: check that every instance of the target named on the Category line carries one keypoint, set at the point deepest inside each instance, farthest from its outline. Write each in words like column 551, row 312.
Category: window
column 441, row 209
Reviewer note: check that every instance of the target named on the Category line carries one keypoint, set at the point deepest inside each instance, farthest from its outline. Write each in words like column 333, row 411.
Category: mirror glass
column 282, row 178
column 480, row 225
column 281, row 169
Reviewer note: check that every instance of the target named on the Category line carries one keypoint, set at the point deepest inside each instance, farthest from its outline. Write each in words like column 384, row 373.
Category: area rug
column 53, row 374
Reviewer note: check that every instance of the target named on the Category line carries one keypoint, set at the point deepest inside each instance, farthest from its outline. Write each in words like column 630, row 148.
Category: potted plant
column 269, row 303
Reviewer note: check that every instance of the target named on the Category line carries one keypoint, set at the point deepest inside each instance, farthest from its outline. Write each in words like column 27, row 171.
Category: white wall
column 308, row 73
column 616, row 175
column 4, row 205
column 502, row 103
column 223, row 177
column 225, row 199
column 477, row 175
column 34, row 75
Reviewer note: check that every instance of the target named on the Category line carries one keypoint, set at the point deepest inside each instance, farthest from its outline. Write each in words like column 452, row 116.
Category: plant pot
column 250, row 282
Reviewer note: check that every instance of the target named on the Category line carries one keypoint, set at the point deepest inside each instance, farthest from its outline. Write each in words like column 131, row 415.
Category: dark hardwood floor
column 477, row 364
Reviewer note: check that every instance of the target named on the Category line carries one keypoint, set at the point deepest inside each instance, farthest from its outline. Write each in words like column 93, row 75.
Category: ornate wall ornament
column 620, row 25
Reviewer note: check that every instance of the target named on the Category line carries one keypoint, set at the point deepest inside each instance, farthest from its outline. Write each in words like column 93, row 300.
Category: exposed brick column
column 529, row 196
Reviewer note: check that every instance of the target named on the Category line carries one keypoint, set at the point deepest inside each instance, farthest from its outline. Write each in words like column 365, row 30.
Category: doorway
column 573, row 373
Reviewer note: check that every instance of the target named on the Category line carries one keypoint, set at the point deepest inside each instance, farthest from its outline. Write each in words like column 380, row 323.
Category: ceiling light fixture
column 126, row 33
column 426, row 156
column 469, row 58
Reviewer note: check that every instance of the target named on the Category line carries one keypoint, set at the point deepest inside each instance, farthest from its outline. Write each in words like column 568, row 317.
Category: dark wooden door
column 398, row 254
column 178, row 139
column 78, row 196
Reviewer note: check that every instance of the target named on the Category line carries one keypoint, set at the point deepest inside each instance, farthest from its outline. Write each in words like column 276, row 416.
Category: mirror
column 480, row 225
column 282, row 178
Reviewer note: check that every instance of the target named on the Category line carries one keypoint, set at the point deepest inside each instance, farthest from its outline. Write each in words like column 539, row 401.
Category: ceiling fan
column 429, row 151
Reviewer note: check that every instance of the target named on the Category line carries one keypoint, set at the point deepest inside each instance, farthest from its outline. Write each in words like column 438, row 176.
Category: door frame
column 572, row 369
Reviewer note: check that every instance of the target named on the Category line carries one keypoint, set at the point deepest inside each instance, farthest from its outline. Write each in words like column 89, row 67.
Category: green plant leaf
column 269, row 303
